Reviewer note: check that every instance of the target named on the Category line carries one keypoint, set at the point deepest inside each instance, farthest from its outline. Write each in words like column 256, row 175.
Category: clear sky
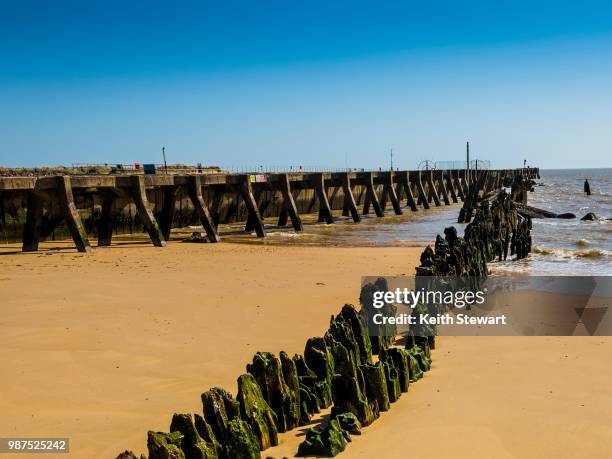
column 306, row 82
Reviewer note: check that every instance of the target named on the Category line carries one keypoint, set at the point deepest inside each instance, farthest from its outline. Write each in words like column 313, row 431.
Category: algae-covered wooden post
column 71, row 214
column 389, row 192
column 105, row 224
column 33, row 223
column 325, row 213
column 349, row 205
column 167, row 212
column 254, row 219
column 139, row 195
column 288, row 208
column 370, row 197
column 431, row 188
column 195, row 194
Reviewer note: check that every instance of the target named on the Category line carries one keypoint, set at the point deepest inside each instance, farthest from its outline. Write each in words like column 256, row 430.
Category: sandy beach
column 103, row 347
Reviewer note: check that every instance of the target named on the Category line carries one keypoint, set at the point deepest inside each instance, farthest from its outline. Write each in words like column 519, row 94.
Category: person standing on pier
column 587, row 187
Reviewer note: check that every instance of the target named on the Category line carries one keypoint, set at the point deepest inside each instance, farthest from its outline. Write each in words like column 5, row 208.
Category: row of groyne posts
column 206, row 192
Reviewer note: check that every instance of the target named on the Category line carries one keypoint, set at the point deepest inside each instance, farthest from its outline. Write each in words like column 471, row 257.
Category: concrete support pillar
column 431, row 189
column 289, row 209
column 370, row 197
column 416, row 179
column 167, row 212
column 404, row 185
column 457, row 184
column 389, row 192
column 33, row 223
column 105, row 224
column 254, row 217
column 441, row 186
column 71, row 214
column 447, row 175
column 139, row 195
column 325, row 213
column 349, row 205
column 195, row 194
column 216, row 205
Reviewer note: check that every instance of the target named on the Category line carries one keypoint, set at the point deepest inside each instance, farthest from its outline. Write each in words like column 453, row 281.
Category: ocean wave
column 568, row 253
column 583, row 242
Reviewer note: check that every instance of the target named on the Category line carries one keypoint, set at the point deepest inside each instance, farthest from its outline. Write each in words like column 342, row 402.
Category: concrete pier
column 216, row 198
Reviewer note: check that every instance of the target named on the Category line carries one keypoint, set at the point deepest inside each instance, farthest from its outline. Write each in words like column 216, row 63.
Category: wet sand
column 103, row 347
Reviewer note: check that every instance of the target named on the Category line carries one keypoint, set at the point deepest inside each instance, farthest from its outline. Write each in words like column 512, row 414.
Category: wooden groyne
column 48, row 201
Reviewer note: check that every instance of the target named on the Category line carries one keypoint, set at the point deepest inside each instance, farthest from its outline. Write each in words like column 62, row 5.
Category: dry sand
column 103, row 347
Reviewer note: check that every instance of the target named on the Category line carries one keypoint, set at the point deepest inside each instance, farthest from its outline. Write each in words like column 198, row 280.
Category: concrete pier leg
column 404, row 183
column 33, row 223
column 289, row 208
column 389, row 191
column 216, row 205
column 441, row 186
column 433, row 193
column 448, row 176
column 73, row 219
column 105, row 225
column 246, row 191
column 139, row 195
column 167, row 212
column 371, row 197
column 465, row 215
column 349, row 200
column 465, row 186
column 325, row 213
column 312, row 203
column 421, row 191
column 457, row 185
column 195, row 194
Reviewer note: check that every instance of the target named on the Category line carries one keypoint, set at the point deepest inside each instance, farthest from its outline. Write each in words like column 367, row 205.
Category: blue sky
column 310, row 83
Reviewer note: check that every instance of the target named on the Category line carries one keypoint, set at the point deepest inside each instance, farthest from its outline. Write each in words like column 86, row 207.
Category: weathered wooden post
column 71, row 214
column 195, row 194
column 288, row 208
column 139, row 195
column 254, row 217
column 370, row 197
